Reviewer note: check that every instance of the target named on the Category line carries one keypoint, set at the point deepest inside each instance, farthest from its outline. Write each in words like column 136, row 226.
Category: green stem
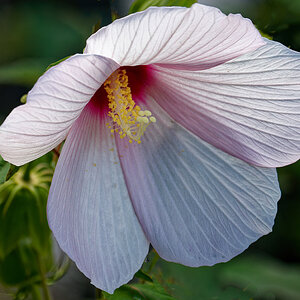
column 99, row 295
column 154, row 261
column 43, row 278
column 26, row 176
column 35, row 293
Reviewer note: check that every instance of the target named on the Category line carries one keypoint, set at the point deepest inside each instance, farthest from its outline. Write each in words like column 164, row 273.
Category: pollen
column 128, row 119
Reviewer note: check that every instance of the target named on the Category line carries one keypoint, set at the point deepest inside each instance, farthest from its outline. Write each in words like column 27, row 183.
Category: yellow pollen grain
column 128, row 119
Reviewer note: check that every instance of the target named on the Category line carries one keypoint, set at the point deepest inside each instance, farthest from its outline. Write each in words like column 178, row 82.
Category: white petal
column 54, row 103
column 248, row 107
column 198, row 37
column 197, row 204
column 89, row 210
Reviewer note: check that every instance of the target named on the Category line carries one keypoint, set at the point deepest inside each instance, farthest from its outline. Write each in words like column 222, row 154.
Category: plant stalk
column 35, row 293
column 99, row 295
column 43, row 278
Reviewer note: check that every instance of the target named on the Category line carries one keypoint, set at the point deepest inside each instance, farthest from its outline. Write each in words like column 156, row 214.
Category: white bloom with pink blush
column 174, row 119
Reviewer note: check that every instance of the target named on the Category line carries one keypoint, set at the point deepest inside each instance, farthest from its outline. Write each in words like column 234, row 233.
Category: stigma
column 128, row 119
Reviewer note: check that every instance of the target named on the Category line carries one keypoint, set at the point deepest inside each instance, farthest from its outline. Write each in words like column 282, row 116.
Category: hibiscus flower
column 174, row 119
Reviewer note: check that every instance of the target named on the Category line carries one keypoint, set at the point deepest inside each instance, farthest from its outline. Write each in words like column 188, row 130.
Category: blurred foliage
column 22, row 72
column 263, row 277
column 4, row 168
column 139, row 291
column 56, row 63
column 144, row 288
column 23, row 218
column 19, row 267
column 140, row 5
column 7, row 170
column 29, row 30
column 29, row 40
column 280, row 19
column 25, row 238
column 244, row 277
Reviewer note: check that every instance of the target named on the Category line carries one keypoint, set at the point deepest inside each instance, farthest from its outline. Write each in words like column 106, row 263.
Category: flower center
column 128, row 118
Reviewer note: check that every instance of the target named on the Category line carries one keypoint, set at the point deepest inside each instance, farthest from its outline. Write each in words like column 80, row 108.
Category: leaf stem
column 154, row 261
column 99, row 295
column 43, row 278
column 26, row 176
column 56, row 152
column 35, row 293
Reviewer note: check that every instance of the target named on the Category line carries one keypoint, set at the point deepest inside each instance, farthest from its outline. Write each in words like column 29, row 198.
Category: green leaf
column 143, row 276
column 12, row 171
column 122, row 293
column 152, row 291
column 57, row 62
column 4, row 168
column 140, row 5
column 139, row 291
column 266, row 35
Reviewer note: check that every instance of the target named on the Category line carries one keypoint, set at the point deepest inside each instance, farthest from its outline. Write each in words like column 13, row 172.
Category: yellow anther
column 152, row 119
column 147, row 113
column 145, row 120
column 129, row 119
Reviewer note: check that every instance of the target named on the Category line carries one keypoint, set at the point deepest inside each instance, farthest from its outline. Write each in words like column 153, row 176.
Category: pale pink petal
column 248, row 107
column 89, row 209
column 53, row 104
column 199, row 37
column 197, row 204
